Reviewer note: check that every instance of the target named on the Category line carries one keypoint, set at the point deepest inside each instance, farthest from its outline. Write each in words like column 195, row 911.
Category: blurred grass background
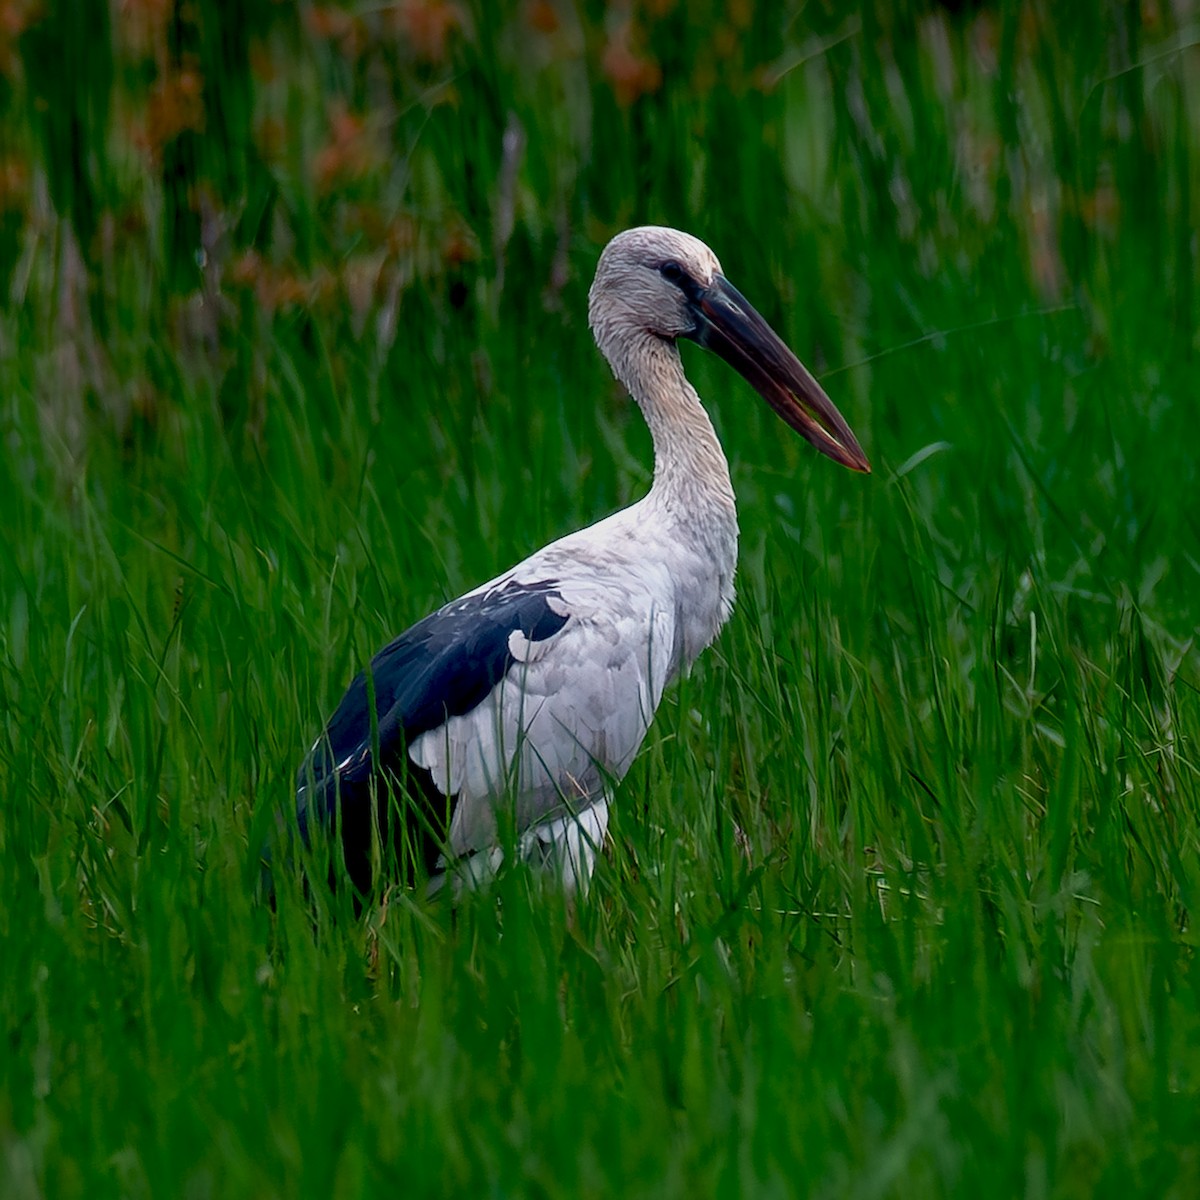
column 293, row 348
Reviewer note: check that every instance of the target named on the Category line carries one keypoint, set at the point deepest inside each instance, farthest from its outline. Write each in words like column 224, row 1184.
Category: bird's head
column 659, row 281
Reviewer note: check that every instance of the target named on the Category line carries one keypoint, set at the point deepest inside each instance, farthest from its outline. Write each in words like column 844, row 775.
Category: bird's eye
column 672, row 272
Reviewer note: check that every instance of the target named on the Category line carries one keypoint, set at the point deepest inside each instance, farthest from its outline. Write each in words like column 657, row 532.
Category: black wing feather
column 442, row 667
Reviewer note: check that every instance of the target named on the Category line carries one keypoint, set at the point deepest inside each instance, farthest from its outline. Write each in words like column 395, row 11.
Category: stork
column 519, row 706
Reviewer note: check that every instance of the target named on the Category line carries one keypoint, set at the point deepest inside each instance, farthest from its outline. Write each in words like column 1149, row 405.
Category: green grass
column 898, row 901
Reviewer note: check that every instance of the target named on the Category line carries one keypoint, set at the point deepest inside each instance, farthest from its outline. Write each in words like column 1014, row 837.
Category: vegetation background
column 293, row 348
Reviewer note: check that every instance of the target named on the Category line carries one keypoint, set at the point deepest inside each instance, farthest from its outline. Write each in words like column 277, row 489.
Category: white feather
column 571, row 713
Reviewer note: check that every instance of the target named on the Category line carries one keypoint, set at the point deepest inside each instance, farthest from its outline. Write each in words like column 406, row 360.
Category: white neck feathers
column 691, row 473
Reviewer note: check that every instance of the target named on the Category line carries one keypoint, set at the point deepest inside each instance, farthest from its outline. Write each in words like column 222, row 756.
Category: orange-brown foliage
column 426, row 25
column 15, row 17
column 541, row 16
column 14, row 185
column 632, row 74
column 176, row 104
column 350, row 153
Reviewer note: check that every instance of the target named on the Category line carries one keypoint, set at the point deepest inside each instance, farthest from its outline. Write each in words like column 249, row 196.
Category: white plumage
column 572, row 710
column 537, row 688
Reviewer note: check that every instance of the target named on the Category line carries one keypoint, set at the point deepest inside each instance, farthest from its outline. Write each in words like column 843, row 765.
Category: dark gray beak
column 728, row 325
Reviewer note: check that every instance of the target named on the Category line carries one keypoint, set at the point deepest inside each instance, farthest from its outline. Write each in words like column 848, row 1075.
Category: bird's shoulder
column 442, row 666
column 610, row 571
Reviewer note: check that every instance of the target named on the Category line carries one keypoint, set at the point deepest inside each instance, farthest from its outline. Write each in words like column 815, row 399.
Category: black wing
column 442, row 667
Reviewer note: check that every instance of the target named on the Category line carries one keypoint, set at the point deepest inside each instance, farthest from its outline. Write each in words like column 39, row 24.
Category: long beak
column 728, row 325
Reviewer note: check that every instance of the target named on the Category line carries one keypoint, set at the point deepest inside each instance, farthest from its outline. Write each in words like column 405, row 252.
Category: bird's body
column 520, row 705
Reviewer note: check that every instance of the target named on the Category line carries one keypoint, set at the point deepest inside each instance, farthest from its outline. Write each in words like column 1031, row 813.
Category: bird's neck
column 691, row 473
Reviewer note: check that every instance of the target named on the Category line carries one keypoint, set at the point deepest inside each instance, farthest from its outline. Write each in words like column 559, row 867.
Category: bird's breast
column 704, row 595
column 644, row 563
